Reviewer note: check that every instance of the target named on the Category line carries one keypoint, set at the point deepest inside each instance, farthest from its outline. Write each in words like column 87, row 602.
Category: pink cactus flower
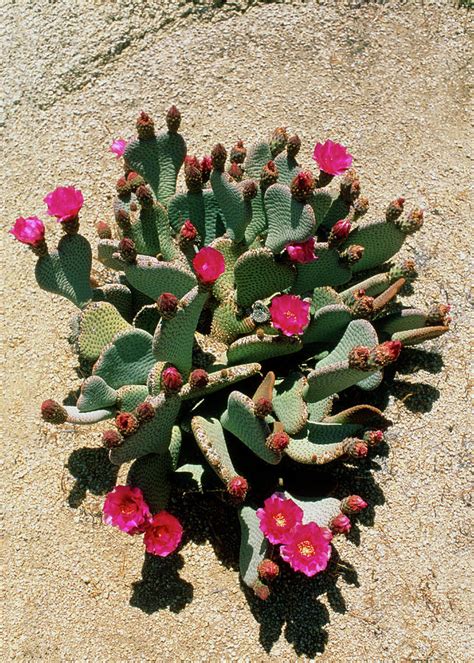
column 64, row 202
column 308, row 549
column 278, row 518
column 125, row 508
column 28, row 231
column 290, row 314
column 332, row 158
column 302, row 252
column 208, row 264
column 163, row 534
column 341, row 229
column 118, row 147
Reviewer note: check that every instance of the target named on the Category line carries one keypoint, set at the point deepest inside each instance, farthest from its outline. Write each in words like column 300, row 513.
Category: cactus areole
column 233, row 314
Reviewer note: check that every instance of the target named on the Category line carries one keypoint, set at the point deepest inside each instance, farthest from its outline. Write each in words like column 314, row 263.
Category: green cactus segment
column 328, row 324
column 258, row 225
column 174, row 338
column 127, row 360
column 208, row 351
column 253, row 545
column 338, row 210
column 326, row 270
column 158, row 161
column 224, row 286
column 324, row 296
column 220, row 380
column 237, row 211
column 320, row 512
column 95, row 395
column 288, row 168
column 153, row 436
column 257, row 156
column 66, row 271
column 321, row 443
column 252, row 348
column 190, row 477
column 373, row 286
column 152, row 475
column 106, row 253
column 75, row 416
column 416, row 336
column 329, row 380
column 288, row 403
column 175, row 446
column 116, row 294
column 359, row 414
column 358, row 332
column 147, row 318
column 130, row 396
column 151, row 233
column 289, row 221
column 381, row 241
column 202, row 210
column 154, row 277
column 99, row 323
column 240, row 420
column 321, row 202
column 319, row 410
column 210, row 438
column 407, row 319
column 258, row 276
column 228, row 323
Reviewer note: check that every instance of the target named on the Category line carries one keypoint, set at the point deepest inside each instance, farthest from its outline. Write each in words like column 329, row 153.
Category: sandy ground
column 390, row 81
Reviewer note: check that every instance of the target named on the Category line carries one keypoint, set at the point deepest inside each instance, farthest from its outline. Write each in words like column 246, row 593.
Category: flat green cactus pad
column 328, row 324
column 288, row 168
column 326, row 270
column 410, row 318
column 127, row 359
column 116, row 294
column 75, row 416
column 237, row 212
column 289, row 221
column 131, row 395
column 257, row 156
column 202, row 210
column 220, row 380
column 258, row 225
column 288, row 403
column 154, row 277
column 96, row 394
column 152, row 475
column 253, row 545
column 320, row 443
column 381, row 241
column 147, row 318
column 321, row 202
column 416, row 336
column 210, row 438
column 252, row 348
column 107, row 254
column 99, row 323
column 320, row 511
column 258, row 276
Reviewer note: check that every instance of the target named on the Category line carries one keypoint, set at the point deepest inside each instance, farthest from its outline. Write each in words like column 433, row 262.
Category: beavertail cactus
column 238, row 310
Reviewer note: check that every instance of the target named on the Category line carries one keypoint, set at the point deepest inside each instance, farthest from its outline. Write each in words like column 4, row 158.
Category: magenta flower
column 341, row 229
column 302, row 252
column 208, row 264
column 28, row 231
column 163, row 534
column 290, row 314
column 278, row 518
column 308, row 550
column 118, row 147
column 125, row 508
column 332, row 158
column 64, row 202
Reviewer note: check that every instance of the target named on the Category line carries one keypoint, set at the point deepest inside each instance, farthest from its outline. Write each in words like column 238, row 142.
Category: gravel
column 388, row 79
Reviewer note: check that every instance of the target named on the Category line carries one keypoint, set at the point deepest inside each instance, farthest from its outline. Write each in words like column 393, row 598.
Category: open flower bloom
column 64, row 202
column 309, row 549
column 278, row 518
column 29, row 230
column 163, row 534
column 302, row 252
column 208, row 264
column 332, row 158
column 125, row 508
column 118, row 147
column 289, row 314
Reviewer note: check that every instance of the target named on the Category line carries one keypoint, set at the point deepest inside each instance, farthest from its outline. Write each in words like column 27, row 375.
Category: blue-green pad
column 289, row 221
column 253, row 545
column 127, row 360
column 328, row 269
column 381, row 241
column 321, row 443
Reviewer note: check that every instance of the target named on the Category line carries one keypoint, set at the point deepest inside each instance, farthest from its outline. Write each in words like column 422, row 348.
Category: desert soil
column 390, row 80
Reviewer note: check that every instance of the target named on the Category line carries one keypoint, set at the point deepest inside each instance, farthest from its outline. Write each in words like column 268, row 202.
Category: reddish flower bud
column 192, row 174
column 206, row 167
column 103, row 230
column 238, row 152
column 238, row 488
column 357, row 448
column 350, row 186
column 208, row 264
column 123, row 220
column 340, row 524
column 111, row 438
column 363, row 306
column 127, row 250
column 359, row 358
column 361, row 206
column 171, row 379
column 188, row 232
column 167, row 303
column 269, row 175
column 405, row 270
column 145, row 126
column 411, row 223
column 302, row 185
column 268, row 570
column 438, row 315
column 134, row 180
column 144, row 195
column 395, row 209
column 173, row 119
column 249, row 189
column 353, row 504
column 261, row 591
column 339, row 232
column 53, row 412
column 263, row 407
column 126, row 423
column 218, row 156
column 235, row 171
column 277, row 442
column 373, row 437
column 293, row 146
column 386, row 353
column 352, row 254
column 145, row 412
column 199, row 378
column 278, row 141
column 122, row 186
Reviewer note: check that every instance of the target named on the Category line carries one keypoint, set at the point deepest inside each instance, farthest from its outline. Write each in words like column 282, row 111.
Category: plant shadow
column 161, row 586
column 93, row 472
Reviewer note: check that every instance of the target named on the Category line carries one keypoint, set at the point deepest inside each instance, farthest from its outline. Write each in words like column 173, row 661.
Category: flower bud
column 350, row 186
column 277, row 442
column 199, row 378
column 127, row 250
column 386, row 353
column 122, row 187
column 268, row 176
column 192, row 174
column 278, row 141
column 361, row 206
column 261, row 591
column 126, row 423
column 352, row 254
column 134, row 180
column 438, row 315
column 235, row 171
column 405, row 270
column 340, row 524
column 122, row 218
column 263, row 407
column 293, row 146
column 173, row 119
column 218, row 156
column 353, row 504
column 249, row 189
column 363, row 306
column 144, row 195
column 238, row 152
column 359, row 358
column 206, row 167
column 111, row 438
column 103, row 230
column 167, row 304
column 145, row 412
column 171, row 380
column 188, row 231
column 145, row 126
column 302, row 185
column 339, row 232
column 411, row 223
column 357, row 448
column 238, row 488
column 394, row 210
column 53, row 412
column 373, row 437
column 268, row 570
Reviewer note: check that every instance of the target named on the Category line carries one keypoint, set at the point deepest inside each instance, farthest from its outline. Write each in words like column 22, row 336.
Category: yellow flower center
column 289, row 314
column 127, row 507
column 306, row 548
column 280, row 520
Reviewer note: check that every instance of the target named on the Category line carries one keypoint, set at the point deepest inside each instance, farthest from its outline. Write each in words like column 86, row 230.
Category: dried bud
column 261, row 591
column 144, row 195
column 263, row 407
column 134, row 180
column 188, row 231
column 171, row 380
column 302, row 185
column 167, row 304
column 192, row 174
column 206, row 167
column 122, row 186
column 363, row 306
column 340, row 524
column 260, row 333
column 53, row 412
column 339, row 232
column 278, row 141
column 111, row 438
column 173, row 119
column 218, row 156
column 277, row 442
column 385, row 353
column 361, row 206
column 373, row 437
column 249, row 189
column 235, row 171
column 438, row 315
column 127, row 250
column 123, row 220
column 406, row 270
column 126, row 423
column 359, row 358
column 268, row 176
column 395, row 209
column 238, row 152
column 199, row 378
column 145, row 126
column 145, row 412
column 411, row 223
column 353, row 504
column 356, row 448
column 103, row 230
column 238, row 488
column 268, row 570
column 352, row 254
column 350, row 186
column 293, row 146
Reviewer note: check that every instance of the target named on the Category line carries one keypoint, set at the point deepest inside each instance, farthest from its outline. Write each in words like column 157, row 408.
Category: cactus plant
column 263, row 274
